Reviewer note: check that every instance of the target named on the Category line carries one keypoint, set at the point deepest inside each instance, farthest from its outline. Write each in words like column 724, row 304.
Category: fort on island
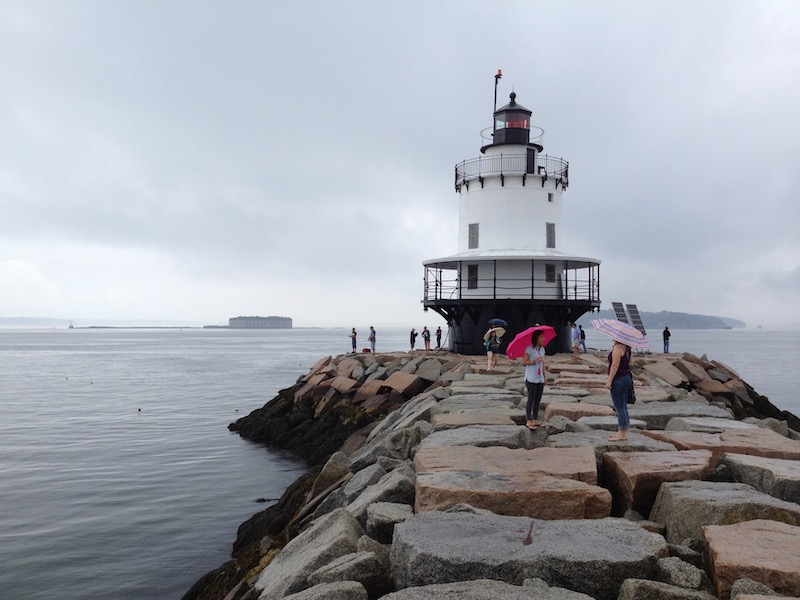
column 260, row 323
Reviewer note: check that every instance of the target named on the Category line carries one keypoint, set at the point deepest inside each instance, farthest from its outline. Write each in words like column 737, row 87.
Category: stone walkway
column 455, row 488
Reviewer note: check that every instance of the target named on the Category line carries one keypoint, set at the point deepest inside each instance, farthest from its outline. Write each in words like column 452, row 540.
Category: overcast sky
column 194, row 161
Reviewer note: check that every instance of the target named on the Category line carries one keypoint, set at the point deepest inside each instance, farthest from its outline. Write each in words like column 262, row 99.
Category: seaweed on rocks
column 310, row 430
column 263, row 534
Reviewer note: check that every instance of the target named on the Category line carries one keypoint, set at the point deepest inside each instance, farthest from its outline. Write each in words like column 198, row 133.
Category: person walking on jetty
column 620, row 383
column 438, row 337
column 576, row 339
column 666, row 335
column 371, row 339
column 353, row 336
column 426, row 337
column 413, row 338
column 583, row 338
column 535, row 378
column 491, row 340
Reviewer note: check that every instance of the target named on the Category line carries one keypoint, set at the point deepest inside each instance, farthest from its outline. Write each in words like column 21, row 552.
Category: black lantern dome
column 512, row 123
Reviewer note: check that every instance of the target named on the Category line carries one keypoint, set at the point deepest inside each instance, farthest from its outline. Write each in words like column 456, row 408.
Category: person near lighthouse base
column 576, row 339
column 492, row 343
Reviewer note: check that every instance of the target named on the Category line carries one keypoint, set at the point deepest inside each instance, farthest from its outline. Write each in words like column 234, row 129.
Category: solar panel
column 636, row 319
column 619, row 312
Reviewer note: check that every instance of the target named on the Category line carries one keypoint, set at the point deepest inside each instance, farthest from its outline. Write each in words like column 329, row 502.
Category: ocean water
column 118, row 476
column 765, row 359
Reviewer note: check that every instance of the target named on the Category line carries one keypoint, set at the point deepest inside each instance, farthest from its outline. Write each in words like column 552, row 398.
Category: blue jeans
column 620, row 388
column 666, row 346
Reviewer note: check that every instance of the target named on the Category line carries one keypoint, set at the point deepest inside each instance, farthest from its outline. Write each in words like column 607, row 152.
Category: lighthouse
column 510, row 264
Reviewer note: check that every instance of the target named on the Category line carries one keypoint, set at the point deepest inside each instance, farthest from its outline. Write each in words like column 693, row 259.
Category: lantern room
column 512, row 123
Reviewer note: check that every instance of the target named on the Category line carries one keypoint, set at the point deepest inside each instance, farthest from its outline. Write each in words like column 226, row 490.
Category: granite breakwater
column 424, row 483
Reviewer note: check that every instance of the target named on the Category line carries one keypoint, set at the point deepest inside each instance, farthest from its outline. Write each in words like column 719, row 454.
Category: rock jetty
column 424, row 483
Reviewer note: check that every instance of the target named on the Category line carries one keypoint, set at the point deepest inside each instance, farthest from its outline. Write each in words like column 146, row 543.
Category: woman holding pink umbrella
column 619, row 383
column 529, row 345
column 535, row 377
column 620, row 380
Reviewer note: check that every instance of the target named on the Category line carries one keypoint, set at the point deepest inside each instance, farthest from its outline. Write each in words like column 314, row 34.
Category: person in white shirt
column 535, row 378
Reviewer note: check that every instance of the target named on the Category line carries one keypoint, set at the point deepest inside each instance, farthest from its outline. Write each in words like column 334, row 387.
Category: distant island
column 676, row 320
column 233, row 323
column 255, row 323
column 654, row 321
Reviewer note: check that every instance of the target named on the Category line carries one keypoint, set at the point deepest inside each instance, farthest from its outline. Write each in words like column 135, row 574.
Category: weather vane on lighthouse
column 509, row 264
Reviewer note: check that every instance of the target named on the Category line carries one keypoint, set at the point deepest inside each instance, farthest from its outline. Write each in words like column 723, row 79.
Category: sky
column 188, row 162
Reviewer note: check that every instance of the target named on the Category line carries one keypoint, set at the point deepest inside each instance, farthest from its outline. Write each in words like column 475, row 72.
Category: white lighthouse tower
column 509, row 263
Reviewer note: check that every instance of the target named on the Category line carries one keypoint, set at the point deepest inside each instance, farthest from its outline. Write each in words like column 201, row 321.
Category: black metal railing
column 535, row 136
column 572, row 284
column 512, row 164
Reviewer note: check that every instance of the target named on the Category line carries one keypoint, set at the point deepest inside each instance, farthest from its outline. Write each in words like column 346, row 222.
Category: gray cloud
column 296, row 158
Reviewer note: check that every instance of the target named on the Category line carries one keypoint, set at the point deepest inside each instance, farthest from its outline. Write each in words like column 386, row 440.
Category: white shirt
column 533, row 373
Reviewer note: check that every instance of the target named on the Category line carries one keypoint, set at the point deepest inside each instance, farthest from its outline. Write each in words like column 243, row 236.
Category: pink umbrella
column 524, row 339
column 621, row 332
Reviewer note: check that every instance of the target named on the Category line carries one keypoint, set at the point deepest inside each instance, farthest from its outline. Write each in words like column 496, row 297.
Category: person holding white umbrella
column 491, row 340
column 620, row 381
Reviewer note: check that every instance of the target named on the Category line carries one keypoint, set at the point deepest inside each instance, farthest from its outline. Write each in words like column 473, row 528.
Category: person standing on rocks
column 666, row 335
column 535, row 378
column 426, row 337
column 492, row 343
column 413, row 338
column 576, row 339
column 353, row 336
column 620, row 383
column 371, row 338
column 438, row 337
column 583, row 338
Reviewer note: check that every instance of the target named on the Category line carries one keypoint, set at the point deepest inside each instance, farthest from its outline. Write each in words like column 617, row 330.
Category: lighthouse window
column 472, row 242
column 551, row 235
column 513, row 121
column 549, row 196
column 550, row 273
column 472, row 277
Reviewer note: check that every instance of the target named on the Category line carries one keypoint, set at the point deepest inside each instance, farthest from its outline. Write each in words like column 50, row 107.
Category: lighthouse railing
column 512, row 164
column 578, row 284
column 535, row 135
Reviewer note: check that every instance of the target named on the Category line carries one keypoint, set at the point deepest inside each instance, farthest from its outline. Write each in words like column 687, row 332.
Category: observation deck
column 520, row 165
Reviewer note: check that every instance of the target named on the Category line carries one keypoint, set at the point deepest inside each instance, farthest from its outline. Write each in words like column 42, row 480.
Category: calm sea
column 118, row 476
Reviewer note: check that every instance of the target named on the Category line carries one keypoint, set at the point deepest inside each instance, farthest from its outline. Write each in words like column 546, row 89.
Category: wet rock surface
column 761, row 550
column 589, row 556
column 425, row 483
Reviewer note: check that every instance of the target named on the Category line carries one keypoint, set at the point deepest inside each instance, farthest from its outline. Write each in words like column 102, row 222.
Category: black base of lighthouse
column 469, row 322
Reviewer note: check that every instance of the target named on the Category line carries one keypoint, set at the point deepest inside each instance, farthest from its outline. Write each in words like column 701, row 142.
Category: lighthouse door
column 531, row 162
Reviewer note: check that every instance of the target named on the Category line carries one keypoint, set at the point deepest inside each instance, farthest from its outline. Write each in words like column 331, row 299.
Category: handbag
column 632, row 394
